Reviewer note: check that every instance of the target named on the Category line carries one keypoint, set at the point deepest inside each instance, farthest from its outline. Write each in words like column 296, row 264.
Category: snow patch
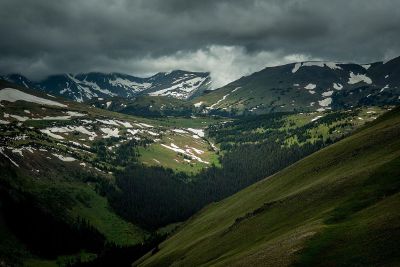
column 144, row 125
column 296, row 67
column 181, row 90
column 356, row 78
column 179, row 131
column 316, row 118
column 325, row 102
column 63, row 158
column 383, row 89
column 199, row 132
column 125, row 124
column 108, row 122
column 337, row 86
column 75, row 114
column 331, row 65
column 56, row 136
column 310, row 86
column 12, row 95
column 366, row 66
column 327, row 93
column 188, row 153
column 198, row 104
column 110, row 132
column 19, row 118
column 132, row 132
column 129, row 85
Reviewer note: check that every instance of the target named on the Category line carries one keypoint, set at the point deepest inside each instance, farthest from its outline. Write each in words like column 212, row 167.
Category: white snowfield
column 116, row 123
column 223, row 98
column 125, row 124
column 383, row 89
column 144, row 125
column 85, row 88
column 331, row 65
column 356, row 78
column 179, row 131
column 325, row 102
column 310, row 86
column 49, row 133
column 198, row 104
column 75, row 114
column 152, row 133
column 130, row 85
column 110, row 132
column 199, row 132
column 133, row 132
column 108, row 122
column 327, row 93
column 13, row 95
column 182, row 89
column 198, row 151
column 337, row 86
column 52, row 130
column 219, row 101
column 17, row 117
column 316, row 118
column 188, row 152
column 366, row 66
column 64, row 117
column 18, row 151
column 64, row 158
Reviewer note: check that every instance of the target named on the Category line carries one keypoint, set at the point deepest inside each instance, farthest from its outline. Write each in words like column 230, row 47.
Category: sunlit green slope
column 337, row 207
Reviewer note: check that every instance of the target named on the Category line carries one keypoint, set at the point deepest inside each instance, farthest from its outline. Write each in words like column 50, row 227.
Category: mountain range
column 307, row 86
column 86, row 86
column 301, row 86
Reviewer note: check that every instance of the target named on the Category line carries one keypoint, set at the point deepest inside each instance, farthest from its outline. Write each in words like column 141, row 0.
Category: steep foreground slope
column 337, row 207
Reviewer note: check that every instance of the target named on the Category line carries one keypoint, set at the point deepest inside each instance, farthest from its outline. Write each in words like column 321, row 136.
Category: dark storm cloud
column 41, row 37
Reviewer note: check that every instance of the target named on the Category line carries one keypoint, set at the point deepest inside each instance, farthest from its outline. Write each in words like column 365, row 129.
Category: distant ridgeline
column 307, row 86
column 303, row 86
column 95, row 85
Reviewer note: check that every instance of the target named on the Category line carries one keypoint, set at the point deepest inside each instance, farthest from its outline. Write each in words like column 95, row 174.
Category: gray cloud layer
column 229, row 38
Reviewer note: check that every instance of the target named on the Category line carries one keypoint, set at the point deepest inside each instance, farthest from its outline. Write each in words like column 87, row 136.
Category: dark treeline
column 227, row 135
column 113, row 255
column 146, row 111
column 154, row 196
column 45, row 232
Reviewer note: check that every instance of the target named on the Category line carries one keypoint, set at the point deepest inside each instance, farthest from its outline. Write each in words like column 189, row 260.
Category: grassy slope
column 162, row 125
column 300, row 211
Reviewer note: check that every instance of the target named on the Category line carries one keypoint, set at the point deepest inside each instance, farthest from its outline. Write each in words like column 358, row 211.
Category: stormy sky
column 228, row 38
